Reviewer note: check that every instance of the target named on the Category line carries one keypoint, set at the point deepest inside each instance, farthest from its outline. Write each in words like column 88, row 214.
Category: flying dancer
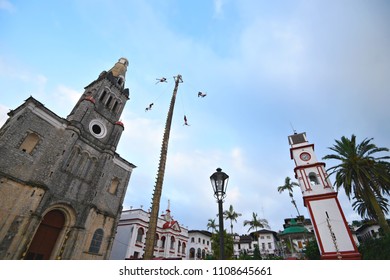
column 185, row 121
column 149, row 107
column 201, row 94
column 161, row 80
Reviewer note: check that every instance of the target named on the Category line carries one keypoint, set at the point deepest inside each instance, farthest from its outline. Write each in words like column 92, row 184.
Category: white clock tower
column 333, row 235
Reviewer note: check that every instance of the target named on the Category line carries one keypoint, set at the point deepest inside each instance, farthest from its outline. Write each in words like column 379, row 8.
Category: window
column 313, row 179
column 140, row 234
column 115, row 106
column 183, row 249
column 113, row 186
column 96, row 241
column 192, row 239
column 178, row 246
column 163, row 242
column 172, row 242
column 109, row 101
column 29, row 143
column 97, row 128
column 269, row 245
column 103, row 95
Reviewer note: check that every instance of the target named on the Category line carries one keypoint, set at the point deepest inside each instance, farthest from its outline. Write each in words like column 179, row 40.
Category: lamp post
column 219, row 181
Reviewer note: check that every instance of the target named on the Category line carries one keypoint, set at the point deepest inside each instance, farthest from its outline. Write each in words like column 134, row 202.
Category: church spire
column 120, row 68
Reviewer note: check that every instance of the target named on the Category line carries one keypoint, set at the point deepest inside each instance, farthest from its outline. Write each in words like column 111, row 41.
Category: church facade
column 62, row 184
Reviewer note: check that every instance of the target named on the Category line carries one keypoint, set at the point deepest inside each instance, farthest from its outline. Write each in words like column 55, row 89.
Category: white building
column 171, row 239
column 199, row 246
column 242, row 244
column 267, row 240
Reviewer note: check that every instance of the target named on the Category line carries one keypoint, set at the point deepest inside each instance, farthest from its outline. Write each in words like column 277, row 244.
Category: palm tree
column 211, row 224
column 365, row 210
column 288, row 185
column 256, row 223
column 361, row 173
column 232, row 216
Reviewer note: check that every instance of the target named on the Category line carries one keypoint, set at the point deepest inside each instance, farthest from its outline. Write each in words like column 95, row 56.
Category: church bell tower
column 62, row 183
column 331, row 229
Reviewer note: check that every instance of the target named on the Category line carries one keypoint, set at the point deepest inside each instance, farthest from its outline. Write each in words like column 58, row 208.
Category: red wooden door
column 46, row 236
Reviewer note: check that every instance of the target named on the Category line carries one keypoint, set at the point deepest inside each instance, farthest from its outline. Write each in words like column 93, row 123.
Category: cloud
column 218, row 8
column 7, row 6
column 67, row 94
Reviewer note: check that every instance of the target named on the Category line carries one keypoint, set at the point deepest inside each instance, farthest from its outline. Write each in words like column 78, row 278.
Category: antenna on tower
column 295, row 132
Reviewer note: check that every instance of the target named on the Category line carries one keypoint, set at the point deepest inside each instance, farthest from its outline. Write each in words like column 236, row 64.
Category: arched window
column 163, row 242
column 103, row 95
column 140, row 234
column 29, row 143
column 192, row 253
column 172, row 242
column 313, row 179
column 178, row 246
column 96, row 241
column 183, row 249
column 192, row 239
column 115, row 106
column 109, row 101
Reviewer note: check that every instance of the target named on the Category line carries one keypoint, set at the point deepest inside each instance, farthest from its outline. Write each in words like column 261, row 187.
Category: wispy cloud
column 218, row 8
column 7, row 6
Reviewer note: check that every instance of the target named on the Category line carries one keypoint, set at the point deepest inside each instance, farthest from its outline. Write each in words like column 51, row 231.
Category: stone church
column 62, row 184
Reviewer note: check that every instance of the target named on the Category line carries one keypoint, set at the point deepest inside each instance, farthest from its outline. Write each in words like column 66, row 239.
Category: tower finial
column 295, row 132
column 120, row 68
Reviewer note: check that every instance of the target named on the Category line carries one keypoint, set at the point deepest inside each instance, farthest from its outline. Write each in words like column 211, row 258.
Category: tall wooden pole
column 151, row 233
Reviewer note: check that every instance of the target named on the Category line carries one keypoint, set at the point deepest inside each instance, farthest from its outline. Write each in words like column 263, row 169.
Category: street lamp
column 219, row 181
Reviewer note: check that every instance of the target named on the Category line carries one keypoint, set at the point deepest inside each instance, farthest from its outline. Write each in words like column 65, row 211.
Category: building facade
column 266, row 240
column 62, row 184
column 171, row 240
column 199, row 245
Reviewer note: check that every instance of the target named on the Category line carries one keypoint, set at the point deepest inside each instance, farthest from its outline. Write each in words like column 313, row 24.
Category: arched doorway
column 46, row 236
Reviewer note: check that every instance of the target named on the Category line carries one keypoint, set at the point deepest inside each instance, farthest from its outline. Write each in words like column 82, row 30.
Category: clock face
column 305, row 156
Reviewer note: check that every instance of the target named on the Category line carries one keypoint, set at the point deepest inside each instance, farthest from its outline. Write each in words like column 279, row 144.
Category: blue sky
column 321, row 67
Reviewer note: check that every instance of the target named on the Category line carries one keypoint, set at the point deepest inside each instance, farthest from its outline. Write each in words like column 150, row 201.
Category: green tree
column 375, row 249
column 256, row 253
column 256, row 223
column 228, row 245
column 311, row 250
column 366, row 211
column 211, row 224
column 361, row 174
column 288, row 186
column 232, row 216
